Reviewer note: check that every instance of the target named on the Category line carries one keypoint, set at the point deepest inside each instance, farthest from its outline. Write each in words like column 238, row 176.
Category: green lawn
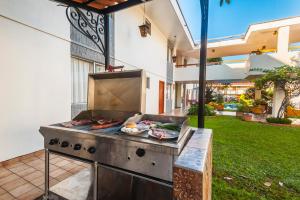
column 252, row 154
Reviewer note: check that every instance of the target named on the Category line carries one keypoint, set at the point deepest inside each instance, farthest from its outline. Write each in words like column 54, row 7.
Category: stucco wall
column 34, row 73
column 233, row 71
column 134, row 51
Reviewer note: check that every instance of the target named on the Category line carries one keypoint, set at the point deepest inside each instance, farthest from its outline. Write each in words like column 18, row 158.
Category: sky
column 235, row 18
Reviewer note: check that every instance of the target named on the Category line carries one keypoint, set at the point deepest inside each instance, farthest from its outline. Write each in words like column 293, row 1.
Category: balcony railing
column 214, row 63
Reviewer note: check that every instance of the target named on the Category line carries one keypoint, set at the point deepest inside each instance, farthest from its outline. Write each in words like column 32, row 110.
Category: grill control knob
column 140, row 152
column 91, row 150
column 64, row 144
column 77, row 147
column 53, row 141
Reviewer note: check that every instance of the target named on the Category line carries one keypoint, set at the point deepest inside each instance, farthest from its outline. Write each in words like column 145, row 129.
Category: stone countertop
column 194, row 154
column 192, row 172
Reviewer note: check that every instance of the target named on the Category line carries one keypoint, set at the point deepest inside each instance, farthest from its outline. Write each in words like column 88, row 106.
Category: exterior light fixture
column 145, row 28
column 174, row 59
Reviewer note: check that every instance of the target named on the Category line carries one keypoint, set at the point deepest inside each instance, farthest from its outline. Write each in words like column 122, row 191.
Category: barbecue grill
column 124, row 166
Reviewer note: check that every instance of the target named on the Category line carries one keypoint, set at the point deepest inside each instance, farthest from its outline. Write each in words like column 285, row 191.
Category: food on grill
column 169, row 126
column 163, row 134
column 131, row 131
column 142, row 126
column 130, row 125
column 102, row 124
column 81, row 122
column 67, row 124
column 132, row 128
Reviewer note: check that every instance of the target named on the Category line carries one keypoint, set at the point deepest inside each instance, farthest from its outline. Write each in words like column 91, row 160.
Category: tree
column 209, row 93
column 287, row 78
column 222, row 2
column 266, row 95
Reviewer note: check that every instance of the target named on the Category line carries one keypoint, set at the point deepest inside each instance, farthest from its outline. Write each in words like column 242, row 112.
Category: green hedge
column 208, row 110
column 275, row 120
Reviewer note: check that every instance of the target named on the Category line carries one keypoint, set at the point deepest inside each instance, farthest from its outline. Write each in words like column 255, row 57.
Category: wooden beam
column 122, row 6
column 102, row 6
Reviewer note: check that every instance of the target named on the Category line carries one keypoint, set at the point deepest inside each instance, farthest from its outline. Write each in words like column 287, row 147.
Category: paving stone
column 19, row 168
column 64, row 176
column 2, row 191
column 13, row 184
column 33, row 176
column 31, row 195
column 57, row 173
column 26, row 172
column 4, row 172
column 62, row 163
column 23, row 189
column 7, row 196
column 7, row 179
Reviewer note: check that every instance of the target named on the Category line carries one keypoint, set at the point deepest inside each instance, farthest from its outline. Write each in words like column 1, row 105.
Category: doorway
column 161, row 95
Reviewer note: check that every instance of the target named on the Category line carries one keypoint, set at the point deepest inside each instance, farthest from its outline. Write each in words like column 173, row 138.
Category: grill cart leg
column 46, row 194
column 95, row 190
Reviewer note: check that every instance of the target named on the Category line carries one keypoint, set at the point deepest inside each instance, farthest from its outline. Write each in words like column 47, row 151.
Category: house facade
column 264, row 46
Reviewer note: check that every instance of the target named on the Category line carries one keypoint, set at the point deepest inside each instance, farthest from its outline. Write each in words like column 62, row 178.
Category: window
column 185, row 62
column 79, row 83
column 169, row 91
column 148, row 83
column 99, row 68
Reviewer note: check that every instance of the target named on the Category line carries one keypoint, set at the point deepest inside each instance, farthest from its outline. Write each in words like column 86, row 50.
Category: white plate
column 169, row 134
column 132, row 131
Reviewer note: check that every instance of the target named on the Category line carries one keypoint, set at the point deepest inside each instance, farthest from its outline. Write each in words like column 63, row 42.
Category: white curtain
column 79, row 70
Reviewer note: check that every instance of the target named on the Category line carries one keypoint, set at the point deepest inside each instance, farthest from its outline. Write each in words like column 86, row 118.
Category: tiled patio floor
column 22, row 178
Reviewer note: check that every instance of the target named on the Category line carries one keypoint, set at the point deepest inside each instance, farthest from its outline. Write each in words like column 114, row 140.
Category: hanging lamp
column 145, row 28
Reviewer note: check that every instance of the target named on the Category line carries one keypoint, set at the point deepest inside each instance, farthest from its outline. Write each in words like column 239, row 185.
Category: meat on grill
column 106, row 124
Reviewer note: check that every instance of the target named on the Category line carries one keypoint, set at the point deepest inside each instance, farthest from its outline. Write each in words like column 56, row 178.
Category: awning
column 102, row 6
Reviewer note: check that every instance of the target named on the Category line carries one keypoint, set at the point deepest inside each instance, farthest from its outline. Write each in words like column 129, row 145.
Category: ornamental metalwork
column 89, row 24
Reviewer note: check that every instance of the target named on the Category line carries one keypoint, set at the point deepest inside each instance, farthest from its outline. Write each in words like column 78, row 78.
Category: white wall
column 233, row 71
column 35, row 73
column 148, row 53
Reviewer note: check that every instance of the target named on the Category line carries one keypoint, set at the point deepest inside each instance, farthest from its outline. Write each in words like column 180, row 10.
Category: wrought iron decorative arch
column 89, row 24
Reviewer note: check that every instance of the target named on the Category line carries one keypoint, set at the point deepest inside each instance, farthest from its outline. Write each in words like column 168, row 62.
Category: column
column 178, row 93
column 283, row 43
column 184, row 96
column 257, row 94
column 278, row 96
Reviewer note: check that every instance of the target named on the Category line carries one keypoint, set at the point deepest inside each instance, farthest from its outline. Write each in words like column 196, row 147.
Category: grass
column 251, row 154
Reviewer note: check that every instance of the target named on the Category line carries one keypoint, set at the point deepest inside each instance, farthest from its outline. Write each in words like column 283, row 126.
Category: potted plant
column 240, row 110
column 244, row 112
column 219, row 107
column 247, row 117
column 259, row 106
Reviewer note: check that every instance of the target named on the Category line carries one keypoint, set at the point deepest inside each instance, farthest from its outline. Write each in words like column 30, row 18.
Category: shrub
column 243, row 108
column 245, row 101
column 258, row 102
column 219, row 98
column 216, row 106
column 212, row 60
column 276, row 120
column 208, row 110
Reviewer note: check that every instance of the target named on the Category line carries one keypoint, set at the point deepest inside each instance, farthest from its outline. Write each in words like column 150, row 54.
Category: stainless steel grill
column 119, row 159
